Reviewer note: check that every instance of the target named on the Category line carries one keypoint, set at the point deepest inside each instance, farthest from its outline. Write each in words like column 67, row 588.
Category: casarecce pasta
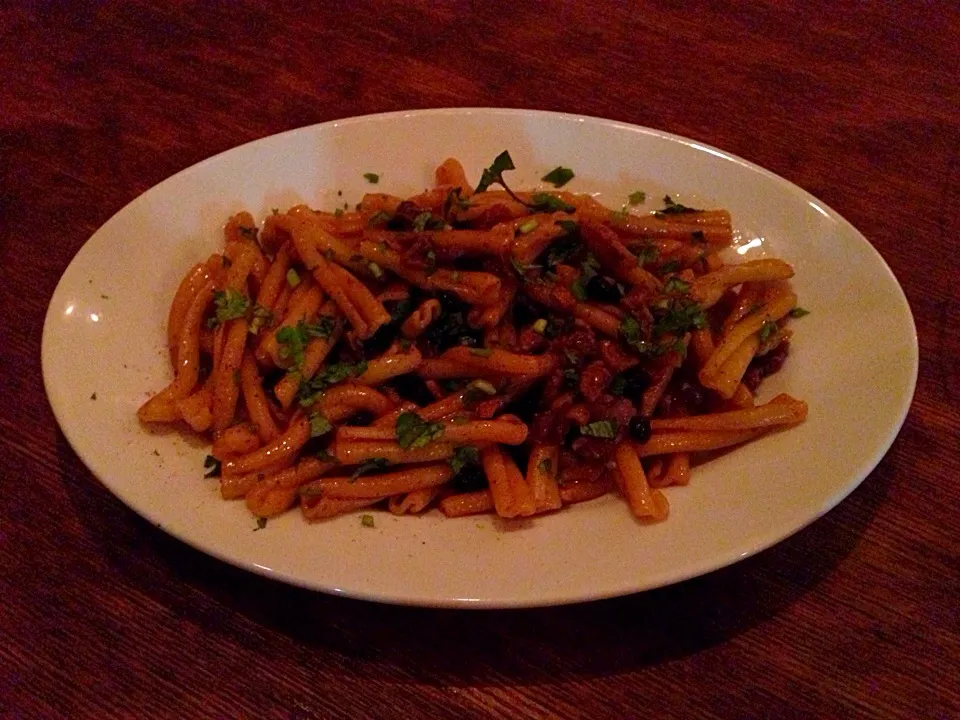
column 474, row 350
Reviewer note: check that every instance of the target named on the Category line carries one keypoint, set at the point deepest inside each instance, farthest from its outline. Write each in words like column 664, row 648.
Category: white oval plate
column 854, row 360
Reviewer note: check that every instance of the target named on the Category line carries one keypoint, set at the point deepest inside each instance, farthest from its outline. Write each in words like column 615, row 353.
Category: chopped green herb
column 319, row 425
column 325, row 455
column 229, row 304
column 371, row 178
column 673, row 208
column 212, row 467
column 481, row 352
column 478, row 389
column 261, row 523
column 679, row 316
column 293, row 278
column 545, row 466
column 494, row 173
column 518, row 267
column 647, row 255
column 632, row 335
column 528, row 226
column 767, row 330
column 799, row 312
column 414, row 432
column 275, row 211
column 590, row 264
column 338, row 212
column 367, row 521
column 375, row 270
column 569, row 226
column 292, row 342
column 670, row 266
column 371, row 465
column 579, row 290
column 545, row 202
column 676, row 285
column 330, row 375
column 464, row 456
column 637, row 197
column 293, row 338
column 379, row 217
column 600, row 429
column 421, row 220
column 559, row 176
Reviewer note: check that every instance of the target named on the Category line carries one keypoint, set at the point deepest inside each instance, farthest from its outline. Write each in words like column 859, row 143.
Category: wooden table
column 856, row 616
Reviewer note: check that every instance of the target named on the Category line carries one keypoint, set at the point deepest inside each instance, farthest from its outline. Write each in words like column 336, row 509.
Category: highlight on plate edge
column 474, row 350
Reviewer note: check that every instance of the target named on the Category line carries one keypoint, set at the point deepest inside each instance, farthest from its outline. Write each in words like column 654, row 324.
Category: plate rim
column 704, row 566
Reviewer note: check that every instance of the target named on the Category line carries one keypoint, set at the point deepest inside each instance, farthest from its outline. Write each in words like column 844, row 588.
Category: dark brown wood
column 856, row 616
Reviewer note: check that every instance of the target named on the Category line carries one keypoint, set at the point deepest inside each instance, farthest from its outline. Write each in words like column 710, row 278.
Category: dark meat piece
column 766, row 365
column 594, row 380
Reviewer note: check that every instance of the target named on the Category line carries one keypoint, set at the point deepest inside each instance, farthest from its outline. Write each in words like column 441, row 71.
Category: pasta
column 474, row 350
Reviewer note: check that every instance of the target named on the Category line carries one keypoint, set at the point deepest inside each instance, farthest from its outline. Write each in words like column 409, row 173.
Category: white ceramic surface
column 854, row 360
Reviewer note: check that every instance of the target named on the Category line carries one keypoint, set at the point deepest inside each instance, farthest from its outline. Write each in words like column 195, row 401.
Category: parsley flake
column 647, row 255
column 528, row 226
column 674, row 208
column 464, row 456
column 371, row 178
column 606, row 429
column 229, row 304
column 799, row 312
column 767, row 330
column 414, row 432
column 293, row 339
column 676, row 285
column 371, row 465
column 494, row 173
column 319, row 425
column 559, row 176
column 545, row 202
column 330, row 375
column 367, row 521
column 637, row 197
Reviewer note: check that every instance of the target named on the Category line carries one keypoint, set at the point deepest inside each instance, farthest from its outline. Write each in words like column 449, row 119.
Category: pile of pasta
column 474, row 350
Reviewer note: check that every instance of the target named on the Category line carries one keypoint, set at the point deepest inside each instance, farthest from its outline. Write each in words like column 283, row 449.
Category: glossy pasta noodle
column 475, row 350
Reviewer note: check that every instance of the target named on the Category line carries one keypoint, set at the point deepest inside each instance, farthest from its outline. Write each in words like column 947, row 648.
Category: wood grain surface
column 101, row 614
